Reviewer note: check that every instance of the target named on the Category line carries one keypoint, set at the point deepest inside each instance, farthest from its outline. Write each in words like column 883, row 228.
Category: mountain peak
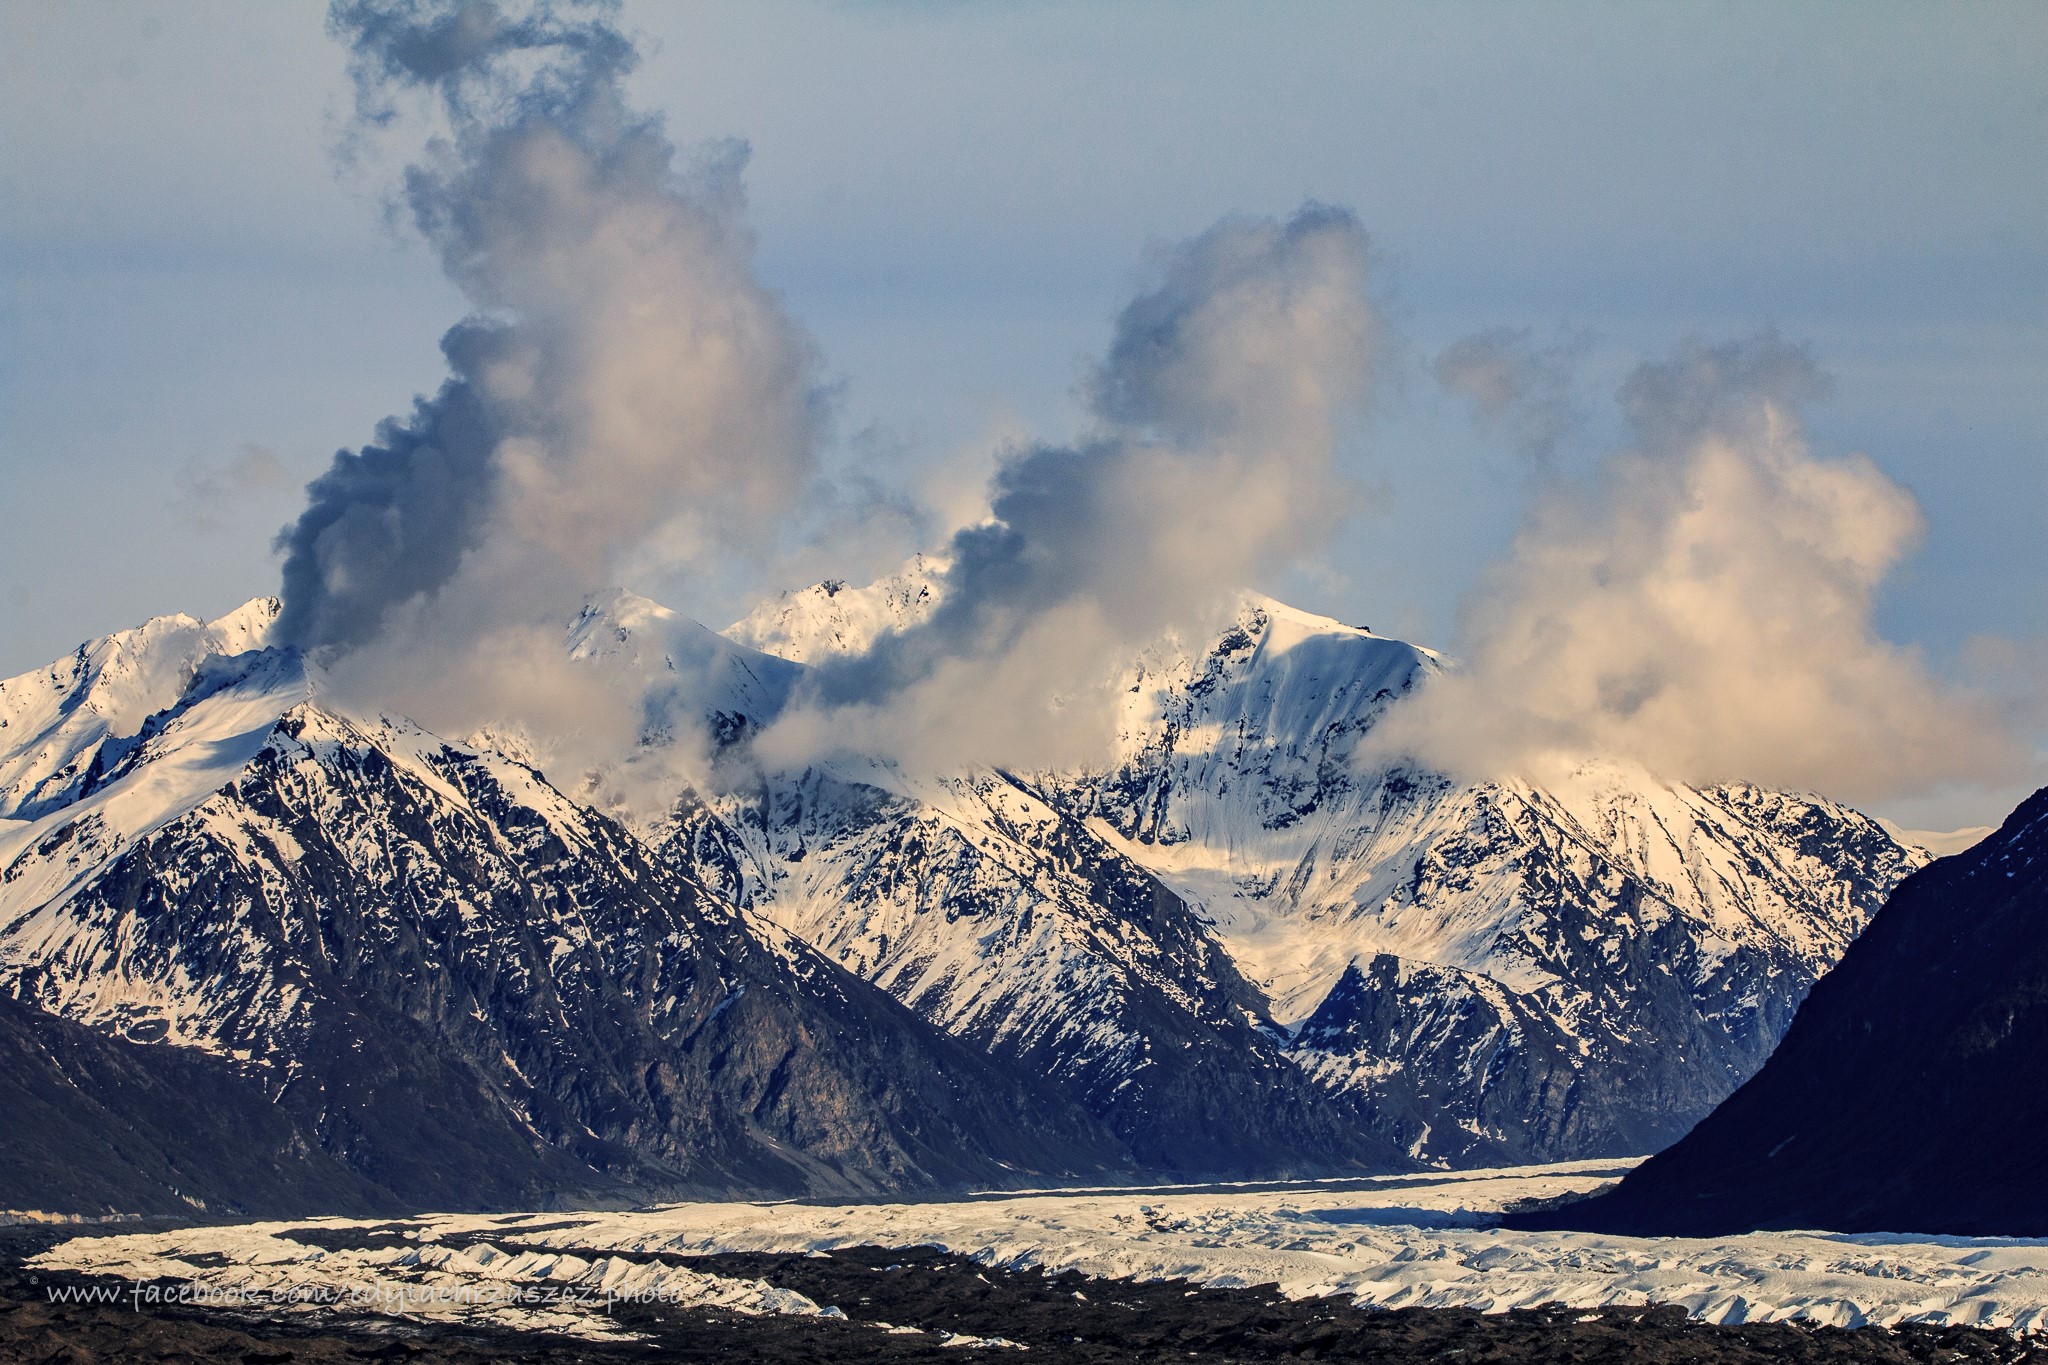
column 54, row 720
column 247, row 627
column 623, row 607
column 1277, row 610
column 804, row 625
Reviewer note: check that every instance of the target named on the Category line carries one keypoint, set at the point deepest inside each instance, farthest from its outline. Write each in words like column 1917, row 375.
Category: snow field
column 1391, row 1242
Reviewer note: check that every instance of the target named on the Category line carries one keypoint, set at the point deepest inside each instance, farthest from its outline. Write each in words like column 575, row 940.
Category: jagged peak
column 247, row 626
column 829, row 617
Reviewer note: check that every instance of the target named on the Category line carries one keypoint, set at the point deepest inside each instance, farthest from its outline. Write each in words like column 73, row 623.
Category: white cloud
column 1705, row 607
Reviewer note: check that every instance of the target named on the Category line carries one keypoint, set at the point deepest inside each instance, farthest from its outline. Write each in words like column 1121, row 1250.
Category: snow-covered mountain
column 1009, row 925
column 56, row 722
column 1910, row 1092
column 459, row 982
column 1236, row 948
column 1477, row 971
column 684, row 673
column 830, row 618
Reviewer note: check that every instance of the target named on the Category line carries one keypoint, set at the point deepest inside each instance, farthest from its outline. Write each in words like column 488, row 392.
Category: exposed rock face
column 97, row 1125
column 1552, row 993
column 1911, row 1092
column 1493, row 971
column 1014, row 929
column 471, row 991
column 1242, row 948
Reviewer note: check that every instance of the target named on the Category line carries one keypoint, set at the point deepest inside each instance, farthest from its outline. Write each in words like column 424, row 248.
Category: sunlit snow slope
column 1481, row 971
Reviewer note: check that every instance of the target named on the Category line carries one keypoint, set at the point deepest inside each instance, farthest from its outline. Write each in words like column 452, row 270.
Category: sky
column 204, row 300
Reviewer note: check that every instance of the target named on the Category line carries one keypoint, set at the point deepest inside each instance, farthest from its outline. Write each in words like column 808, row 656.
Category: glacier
column 1402, row 1242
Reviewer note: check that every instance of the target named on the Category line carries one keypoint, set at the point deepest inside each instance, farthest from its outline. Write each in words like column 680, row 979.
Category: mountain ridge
column 1108, row 948
column 1903, row 1093
column 476, row 992
column 1240, row 783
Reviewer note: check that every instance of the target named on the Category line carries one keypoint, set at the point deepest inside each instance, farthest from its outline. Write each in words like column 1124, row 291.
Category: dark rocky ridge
column 468, row 992
column 1911, row 1092
column 99, row 1125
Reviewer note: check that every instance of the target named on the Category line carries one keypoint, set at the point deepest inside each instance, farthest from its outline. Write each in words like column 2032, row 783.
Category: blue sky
column 201, row 304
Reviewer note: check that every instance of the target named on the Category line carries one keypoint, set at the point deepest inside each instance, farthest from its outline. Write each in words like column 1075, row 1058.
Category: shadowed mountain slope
column 1911, row 1092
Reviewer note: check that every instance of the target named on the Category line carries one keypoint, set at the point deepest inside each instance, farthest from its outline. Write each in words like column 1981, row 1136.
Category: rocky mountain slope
column 1008, row 925
column 1910, row 1094
column 465, row 987
column 1474, row 971
column 1241, row 947
column 97, row 1125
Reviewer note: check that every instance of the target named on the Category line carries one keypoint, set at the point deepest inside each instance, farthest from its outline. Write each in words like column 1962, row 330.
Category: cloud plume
column 1705, row 609
column 1210, row 464
column 624, row 396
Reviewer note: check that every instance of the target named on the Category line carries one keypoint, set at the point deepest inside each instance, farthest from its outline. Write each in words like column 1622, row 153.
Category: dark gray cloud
column 1211, row 464
column 625, row 397
column 391, row 521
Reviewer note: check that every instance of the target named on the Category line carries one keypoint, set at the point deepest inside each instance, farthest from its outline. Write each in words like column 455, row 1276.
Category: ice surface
column 468, row 1280
column 1397, row 1241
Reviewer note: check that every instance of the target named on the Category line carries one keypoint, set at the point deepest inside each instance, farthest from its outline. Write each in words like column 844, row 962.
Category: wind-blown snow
column 1391, row 1242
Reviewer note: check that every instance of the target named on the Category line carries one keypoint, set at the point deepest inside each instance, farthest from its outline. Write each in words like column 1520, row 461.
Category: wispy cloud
column 215, row 493
column 1516, row 386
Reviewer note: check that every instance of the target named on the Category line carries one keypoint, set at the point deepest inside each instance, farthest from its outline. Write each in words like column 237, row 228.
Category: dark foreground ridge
column 1910, row 1094
column 1063, row 1320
